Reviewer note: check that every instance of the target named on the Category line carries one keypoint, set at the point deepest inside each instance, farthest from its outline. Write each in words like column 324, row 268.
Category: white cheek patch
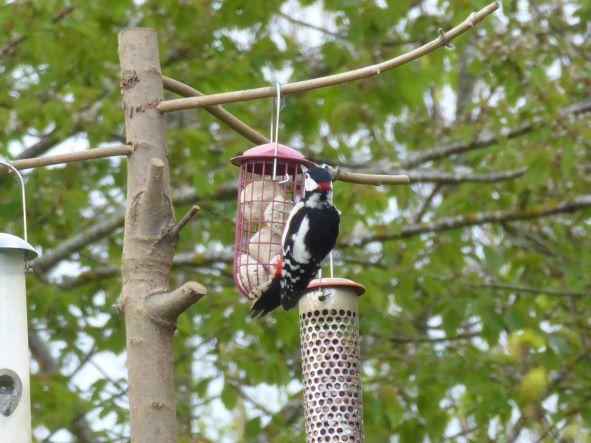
column 310, row 185
column 300, row 252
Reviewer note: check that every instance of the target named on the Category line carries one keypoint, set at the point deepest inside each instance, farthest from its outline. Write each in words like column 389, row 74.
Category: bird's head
column 318, row 179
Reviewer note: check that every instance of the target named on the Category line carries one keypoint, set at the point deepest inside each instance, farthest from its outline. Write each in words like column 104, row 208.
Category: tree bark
column 148, row 247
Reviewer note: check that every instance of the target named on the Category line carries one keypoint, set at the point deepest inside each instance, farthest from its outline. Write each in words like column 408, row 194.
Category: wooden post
column 149, row 308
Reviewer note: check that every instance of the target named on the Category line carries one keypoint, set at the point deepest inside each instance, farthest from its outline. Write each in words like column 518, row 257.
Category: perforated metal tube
column 329, row 331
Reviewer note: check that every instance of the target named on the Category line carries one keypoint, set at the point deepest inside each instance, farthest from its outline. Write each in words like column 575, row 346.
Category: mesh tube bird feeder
column 329, row 332
column 271, row 181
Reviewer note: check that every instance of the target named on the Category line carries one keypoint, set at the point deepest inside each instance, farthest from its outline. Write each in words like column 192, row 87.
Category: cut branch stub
column 165, row 307
column 154, row 211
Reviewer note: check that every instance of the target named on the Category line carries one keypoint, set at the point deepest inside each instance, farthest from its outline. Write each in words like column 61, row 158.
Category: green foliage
column 452, row 343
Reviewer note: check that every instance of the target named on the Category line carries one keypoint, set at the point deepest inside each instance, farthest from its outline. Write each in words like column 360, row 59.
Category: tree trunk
column 150, row 237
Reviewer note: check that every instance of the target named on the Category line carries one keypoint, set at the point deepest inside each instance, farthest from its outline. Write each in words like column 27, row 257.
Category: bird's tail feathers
column 269, row 299
column 292, row 300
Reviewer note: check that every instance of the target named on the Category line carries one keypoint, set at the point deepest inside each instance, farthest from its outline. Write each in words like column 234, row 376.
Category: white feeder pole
column 15, row 397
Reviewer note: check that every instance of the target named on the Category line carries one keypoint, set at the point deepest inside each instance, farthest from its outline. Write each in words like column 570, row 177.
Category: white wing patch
column 300, row 252
column 293, row 212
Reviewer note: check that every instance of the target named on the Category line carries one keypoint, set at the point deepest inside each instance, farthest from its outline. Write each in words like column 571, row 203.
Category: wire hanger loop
column 23, row 195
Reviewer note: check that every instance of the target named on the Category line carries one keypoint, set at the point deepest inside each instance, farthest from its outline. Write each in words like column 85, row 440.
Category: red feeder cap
column 341, row 282
column 268, row 151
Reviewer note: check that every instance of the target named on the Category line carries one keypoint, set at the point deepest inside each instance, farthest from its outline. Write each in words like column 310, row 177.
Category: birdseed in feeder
column 256, row 196
column 276, row 214
column 251, row 273
column 264, row 245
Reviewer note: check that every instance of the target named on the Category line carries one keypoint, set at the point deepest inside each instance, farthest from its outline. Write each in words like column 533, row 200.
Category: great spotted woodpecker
column 310, row 233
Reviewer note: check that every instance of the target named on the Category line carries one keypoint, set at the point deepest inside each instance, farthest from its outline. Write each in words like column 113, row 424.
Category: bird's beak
column 325, row 186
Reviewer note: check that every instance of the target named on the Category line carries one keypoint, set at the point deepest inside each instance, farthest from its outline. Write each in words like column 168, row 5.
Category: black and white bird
column 310, row 233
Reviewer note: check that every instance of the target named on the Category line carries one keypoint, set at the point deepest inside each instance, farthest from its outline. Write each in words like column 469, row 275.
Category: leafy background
column 476, row 332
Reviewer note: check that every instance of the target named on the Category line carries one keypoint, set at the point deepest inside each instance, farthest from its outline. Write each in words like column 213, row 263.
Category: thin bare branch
column 182, row 260
column 107, row 227
column 568, row 367
column 92, row 276
column 426, row 204
column 478, row 218
column 45, row 143
column 445, row 178
column 229, row 119
column 89, row 154
column 251, row 134
column 528, row 289
column 357, row 74
column 377, row 177
column 446, row 150
column 77, row 242
column 186, row 218
column 195, row 259
column 369, row 179
column 304, row 24
column 465, row 336
column 460, row 147
column 510, row 287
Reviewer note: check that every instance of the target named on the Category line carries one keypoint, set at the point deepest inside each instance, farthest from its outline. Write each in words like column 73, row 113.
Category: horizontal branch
column 89, row 154
column 251, row 134
column 229, row 119
column 464, row 336
column 95, row 275
column 103, row 229
column 528, row 289
column 304, row 24
column 193, row 260
column 45, row 143
column 422, row 176
column 509, row 287
column 370, row 179
column 459, row 147
column 475, row 219
column 77, row 242
column 208, row 258
column 182, row 260
column 446, row 178
column 306, row 85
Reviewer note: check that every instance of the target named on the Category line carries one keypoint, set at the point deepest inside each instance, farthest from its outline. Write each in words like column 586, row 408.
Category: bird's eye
column 307, row 175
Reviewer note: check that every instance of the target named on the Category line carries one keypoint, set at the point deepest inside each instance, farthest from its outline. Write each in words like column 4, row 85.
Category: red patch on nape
column 325, row 186
column 278, row 267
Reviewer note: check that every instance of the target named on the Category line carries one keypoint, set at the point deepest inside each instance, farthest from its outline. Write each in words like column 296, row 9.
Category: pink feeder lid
column 268, row 151
column 334, row 281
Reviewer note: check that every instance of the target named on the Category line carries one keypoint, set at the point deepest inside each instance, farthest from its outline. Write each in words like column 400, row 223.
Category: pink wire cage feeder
column 271, row 181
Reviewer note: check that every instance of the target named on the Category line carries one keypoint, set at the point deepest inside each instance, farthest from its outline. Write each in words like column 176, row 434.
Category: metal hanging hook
column 23, row 195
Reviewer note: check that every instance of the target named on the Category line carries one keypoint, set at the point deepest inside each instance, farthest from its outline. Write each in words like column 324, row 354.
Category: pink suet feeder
column 271, row 181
